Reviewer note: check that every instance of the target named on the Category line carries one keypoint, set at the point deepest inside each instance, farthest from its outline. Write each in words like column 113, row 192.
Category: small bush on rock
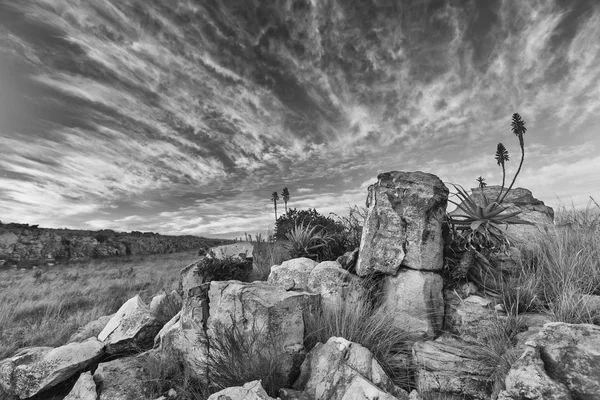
column 213, row 269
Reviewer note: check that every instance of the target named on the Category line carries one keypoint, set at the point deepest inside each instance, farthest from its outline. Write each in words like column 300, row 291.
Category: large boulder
column 472, row 318
column 84, row 389
column 532, row 210
column 293, row 273
column 132, row 328
column 403, row 227
column 340, row 369
column 416, row 300
column 450, row 366
column 35, row 369
column 249, row 391
column 239, row 250
column 259, row 308
column 336, row 285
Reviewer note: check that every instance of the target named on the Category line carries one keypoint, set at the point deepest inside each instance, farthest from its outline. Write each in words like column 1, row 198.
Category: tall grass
column 375, row 329
column 44, row 307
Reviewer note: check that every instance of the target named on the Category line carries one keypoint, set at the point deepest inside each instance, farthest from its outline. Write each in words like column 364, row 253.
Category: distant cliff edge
column 23, row 244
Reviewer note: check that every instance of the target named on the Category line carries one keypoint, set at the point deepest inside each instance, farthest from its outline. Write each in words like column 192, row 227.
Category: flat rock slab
column 132, row 328
column 35, row 369
column 403, row 227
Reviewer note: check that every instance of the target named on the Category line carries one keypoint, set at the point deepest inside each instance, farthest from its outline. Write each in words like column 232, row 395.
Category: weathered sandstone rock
column 571, row 355
column 450, row 366
column 132, row 328
column 335, row 285
column 260, row 308
column 403, row 227
column 35, row 369
column 416, row 300
column 249, row 391
column 297, row 270
column 340, row 369
column 528, row 379
column 84, row 389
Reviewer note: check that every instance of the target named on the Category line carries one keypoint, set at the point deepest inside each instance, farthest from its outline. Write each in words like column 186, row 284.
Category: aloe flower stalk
column 519, row 129
column 501, row 157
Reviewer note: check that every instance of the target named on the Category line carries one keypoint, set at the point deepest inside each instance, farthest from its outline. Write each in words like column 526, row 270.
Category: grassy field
column 44, row 307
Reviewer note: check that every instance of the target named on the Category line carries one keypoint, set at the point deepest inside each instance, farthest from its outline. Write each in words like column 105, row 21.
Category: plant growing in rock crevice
column 476, row 229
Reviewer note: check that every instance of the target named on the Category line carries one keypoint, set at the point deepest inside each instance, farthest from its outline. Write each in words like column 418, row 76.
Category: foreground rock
column 403, row 227
column 450, row 366
column 132, row 328
column 259, row 310
column 561, row 362
column 35, row 369
column 249, row 391
column 340, row 369
column 84, row 389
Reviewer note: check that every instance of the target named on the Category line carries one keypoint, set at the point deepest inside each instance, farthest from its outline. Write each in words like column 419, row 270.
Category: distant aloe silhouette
column 275, row 197
column 285, row 195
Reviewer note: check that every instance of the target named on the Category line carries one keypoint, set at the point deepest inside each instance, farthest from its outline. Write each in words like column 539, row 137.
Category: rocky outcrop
column 340, row 369
column 132, row 328
column 35, row 369
column 21, row 244
column 403, row 227
column 402, row 238
column 249, row 391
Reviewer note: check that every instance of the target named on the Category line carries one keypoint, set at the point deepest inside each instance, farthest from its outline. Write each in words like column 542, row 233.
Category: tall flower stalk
column 519, row 129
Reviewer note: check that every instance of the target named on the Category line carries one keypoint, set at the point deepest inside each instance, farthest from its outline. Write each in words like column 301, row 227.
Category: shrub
column 308, row 241
column 288, row 221
column 214, row 269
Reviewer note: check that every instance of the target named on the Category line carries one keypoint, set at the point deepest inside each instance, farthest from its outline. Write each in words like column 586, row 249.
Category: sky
column 183, row 116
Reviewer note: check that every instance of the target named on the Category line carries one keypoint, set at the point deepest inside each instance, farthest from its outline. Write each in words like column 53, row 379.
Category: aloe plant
column 307, row 241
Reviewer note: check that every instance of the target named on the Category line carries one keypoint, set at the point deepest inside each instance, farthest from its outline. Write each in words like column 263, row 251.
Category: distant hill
column 24, row 244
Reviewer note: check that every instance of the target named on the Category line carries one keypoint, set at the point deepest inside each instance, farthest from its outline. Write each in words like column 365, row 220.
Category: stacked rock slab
column 402, row 238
